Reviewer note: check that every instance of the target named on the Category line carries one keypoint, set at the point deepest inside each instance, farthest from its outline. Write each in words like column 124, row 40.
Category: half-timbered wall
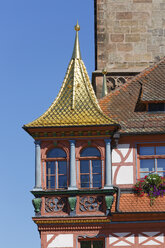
column 125, row 158
column 126, row 238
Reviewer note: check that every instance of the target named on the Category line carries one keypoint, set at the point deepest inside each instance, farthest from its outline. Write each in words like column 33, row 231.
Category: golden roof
column 76, row 103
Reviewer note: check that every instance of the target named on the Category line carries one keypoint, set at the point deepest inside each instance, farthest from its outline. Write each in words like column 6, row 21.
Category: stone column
column 72, row 185
column 108, row 165
column 37, row 166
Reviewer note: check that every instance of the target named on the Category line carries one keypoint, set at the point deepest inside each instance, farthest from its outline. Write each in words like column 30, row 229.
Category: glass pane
column 160, row 164
column 96, row 166
column 98, row 244
column 162, row 174
column 160, row 150
column 56, row 153
column 50, row 182
column 84, row 181
column 62, row 181
column 155, row 107
column 97, row 181
column 62, row 168
column 84, row 166
column 144, row 150
column 90, row 152
column 50, row 167
column 143, row 174
column 85, row 244
column 147, row 165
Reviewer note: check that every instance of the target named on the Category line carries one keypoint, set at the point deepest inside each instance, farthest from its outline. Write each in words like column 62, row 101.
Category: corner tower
column 73, row 182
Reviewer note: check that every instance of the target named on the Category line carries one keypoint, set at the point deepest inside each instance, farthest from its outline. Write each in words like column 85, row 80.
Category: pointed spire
column 76, row 103
column 104, row 87
column 76, row 51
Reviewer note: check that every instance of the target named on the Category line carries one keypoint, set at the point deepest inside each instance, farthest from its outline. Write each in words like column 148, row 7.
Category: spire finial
column 77, row 27
column 76, row 51
column 104, row 87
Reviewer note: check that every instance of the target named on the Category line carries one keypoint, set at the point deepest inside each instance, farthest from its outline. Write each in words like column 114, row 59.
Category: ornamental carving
column 114, row 82
column 91, row 203
column 55, row 204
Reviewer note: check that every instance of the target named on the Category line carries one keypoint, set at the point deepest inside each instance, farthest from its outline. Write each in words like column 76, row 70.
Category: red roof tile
column 134, row 203
column 126, row 104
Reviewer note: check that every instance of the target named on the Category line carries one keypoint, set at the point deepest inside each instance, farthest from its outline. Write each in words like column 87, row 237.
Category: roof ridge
column 147, row 70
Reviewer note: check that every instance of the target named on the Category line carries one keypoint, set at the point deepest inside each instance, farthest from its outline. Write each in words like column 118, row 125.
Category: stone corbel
column 72, row 203
column 37, row 205
column 109, row 199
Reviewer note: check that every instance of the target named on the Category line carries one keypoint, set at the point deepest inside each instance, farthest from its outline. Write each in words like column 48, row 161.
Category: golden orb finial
column 104, row 71
column 77, row 27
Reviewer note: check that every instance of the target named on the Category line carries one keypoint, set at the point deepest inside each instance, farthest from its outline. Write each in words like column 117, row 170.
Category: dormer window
column 156, row 107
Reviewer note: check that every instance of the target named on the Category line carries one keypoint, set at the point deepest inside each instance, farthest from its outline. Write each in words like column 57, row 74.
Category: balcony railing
column 75, row 203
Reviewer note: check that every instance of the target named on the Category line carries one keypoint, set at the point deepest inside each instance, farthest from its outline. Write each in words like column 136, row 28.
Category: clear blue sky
column 36, row 43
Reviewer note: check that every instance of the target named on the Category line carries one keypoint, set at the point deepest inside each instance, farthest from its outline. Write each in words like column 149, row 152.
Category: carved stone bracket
column 72, row 202
column 55, row 204
column 37, row 204
column 109, row 201
column 91, row 203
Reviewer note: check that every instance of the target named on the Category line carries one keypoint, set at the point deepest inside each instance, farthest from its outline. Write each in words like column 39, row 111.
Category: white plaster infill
column 125, row 175
column 61, row 240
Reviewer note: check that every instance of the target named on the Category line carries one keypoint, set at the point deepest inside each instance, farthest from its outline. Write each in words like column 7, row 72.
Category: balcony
column 93, row 202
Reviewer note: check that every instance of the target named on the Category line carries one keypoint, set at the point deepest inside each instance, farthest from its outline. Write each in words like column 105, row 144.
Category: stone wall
column 130, row 34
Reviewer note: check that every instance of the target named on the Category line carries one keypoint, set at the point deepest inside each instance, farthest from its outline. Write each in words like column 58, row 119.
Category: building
column 89, row 154
column 129, row 37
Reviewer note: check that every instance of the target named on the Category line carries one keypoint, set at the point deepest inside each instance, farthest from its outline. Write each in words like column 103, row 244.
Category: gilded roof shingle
column 76, row 103
column 126, row 104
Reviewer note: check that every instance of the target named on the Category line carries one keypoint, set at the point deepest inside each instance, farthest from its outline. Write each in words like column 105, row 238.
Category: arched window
column 56, row 169
column 90, row 168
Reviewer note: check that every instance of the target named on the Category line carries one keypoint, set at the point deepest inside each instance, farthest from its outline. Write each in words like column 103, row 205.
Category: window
column 92, row 244
column 152, row 159
column 90, row 168
column 56, row 169
column 156, row 107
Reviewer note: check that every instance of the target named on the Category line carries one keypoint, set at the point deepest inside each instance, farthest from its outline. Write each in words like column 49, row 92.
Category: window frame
column 56, row 161
column 90, row 159
column 144, row 157
column 90, row 240
column 157, row 109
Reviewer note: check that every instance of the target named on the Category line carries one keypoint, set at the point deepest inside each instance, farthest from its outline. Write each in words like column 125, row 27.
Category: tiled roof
column 153, row 82
column 133, row 203
column 126, row 104
column 76, row 103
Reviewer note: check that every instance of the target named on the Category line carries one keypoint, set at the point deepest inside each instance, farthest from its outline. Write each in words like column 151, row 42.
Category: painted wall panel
column 123, row 165
column 143, row 239
column 61, row 240
column 125, row 175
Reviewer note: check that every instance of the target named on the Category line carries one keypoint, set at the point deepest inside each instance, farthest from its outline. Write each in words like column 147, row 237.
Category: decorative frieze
column 91, row 203
column 68, row 134
column 55, row 204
